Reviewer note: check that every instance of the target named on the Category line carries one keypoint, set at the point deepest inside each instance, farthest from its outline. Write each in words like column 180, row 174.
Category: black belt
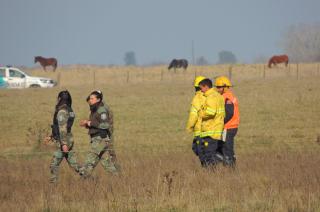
column 95, row 134
column 101, row 133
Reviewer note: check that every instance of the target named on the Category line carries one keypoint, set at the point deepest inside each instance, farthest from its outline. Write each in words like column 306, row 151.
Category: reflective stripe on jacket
column 212, row 115
column 194, row 121
column 235, row 120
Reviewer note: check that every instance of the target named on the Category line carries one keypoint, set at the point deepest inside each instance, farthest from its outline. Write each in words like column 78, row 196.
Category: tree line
column 300, row 42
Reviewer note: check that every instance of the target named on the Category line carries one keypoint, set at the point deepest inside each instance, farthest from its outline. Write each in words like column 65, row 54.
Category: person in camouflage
column 61, row 133
column 100, row 125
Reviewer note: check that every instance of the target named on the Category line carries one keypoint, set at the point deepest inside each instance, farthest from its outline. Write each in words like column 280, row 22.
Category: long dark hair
column 64, row 97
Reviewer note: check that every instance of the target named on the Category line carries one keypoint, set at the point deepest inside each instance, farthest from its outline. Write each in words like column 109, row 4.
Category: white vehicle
column 18, row 79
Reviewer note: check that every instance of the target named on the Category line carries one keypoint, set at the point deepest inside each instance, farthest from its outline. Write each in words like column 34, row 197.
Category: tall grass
column 277, row 146
column 275, row 181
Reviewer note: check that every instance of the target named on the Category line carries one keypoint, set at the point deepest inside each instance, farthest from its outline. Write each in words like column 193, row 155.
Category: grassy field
column 277, row 145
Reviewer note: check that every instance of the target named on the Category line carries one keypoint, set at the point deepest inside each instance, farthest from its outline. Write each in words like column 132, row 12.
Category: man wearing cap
column 100, row 125
column 194, row 121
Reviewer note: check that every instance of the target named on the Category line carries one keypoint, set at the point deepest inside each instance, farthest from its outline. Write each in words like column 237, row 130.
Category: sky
column 102, row 31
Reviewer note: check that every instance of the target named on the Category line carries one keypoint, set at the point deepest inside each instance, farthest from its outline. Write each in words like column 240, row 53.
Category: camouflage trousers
column 101, row 150
column 57, row 159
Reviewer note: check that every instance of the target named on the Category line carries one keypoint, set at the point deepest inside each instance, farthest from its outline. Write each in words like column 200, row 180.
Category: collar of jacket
column 227, row 92
column 199, row 92
column 94, row 108
column 210, row 91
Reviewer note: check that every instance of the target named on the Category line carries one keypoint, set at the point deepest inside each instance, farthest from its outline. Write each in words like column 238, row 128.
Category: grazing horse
column 176, row 63
column 278, row 59
column 46, row 62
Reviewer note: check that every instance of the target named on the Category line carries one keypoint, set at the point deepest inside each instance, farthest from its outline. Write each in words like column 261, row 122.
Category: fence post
column 142, row 74
column 128, row 76
column 161, row 75
column 59, row 79
column 287, row 70
column 94, row 79
column 230, row 72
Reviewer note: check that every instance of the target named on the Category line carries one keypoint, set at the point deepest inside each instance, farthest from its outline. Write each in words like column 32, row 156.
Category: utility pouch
column 103, row 133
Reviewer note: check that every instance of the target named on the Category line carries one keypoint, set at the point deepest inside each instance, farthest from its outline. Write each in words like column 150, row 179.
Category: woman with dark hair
column 100, row 126
column 61, row 133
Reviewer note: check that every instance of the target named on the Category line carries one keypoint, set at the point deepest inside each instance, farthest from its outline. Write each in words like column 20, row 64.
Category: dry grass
column 279, row 181
column 277, row 145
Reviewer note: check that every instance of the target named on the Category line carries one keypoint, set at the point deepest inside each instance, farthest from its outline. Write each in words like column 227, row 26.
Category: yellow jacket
column 212, row 115
column 194, row 121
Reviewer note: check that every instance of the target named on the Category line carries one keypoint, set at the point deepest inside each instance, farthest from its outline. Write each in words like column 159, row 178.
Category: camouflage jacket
column 101, row 120
column 62, row 124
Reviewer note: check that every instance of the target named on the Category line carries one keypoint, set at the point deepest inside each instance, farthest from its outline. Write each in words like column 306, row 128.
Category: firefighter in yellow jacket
column 194, row 121
column 212, row 121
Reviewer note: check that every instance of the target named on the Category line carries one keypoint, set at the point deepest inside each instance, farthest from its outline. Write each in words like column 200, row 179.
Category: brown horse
column 46, row 62
column 278, row 59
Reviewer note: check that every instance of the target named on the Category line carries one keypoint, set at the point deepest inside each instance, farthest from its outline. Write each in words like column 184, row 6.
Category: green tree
column 130, row 58
column 202, row 61
column 226, row 57
column 302, row 43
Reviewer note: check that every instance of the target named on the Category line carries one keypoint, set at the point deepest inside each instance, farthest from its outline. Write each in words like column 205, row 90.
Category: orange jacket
column 229, row 98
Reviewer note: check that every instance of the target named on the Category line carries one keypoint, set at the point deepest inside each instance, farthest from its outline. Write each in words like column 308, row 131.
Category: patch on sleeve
column 103, row 116
column 60, row 117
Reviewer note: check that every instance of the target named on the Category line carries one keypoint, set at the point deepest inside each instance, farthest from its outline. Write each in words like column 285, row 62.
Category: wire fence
column 96, row 76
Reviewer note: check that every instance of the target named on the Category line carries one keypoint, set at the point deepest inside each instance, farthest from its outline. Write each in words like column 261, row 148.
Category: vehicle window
column 14, row 73
column 2, row 72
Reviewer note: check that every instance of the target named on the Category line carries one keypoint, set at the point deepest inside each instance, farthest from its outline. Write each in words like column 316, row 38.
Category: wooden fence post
column 230, row 72
column 161, row 75
column 59, row 79
column 94, row 79
column 128, row 76
column 142, row 74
